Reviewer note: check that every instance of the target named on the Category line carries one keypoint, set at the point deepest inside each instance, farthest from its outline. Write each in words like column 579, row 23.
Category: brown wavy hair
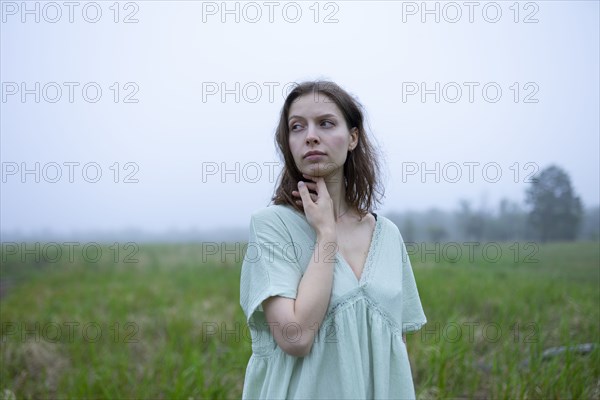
column 361, row 168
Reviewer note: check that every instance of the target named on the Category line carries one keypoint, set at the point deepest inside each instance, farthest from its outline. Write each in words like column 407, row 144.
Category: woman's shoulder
column 279, row 222
column 389, row 227
column 275, row 211
column 278, row 215
column 386, row 222
column 286, row 216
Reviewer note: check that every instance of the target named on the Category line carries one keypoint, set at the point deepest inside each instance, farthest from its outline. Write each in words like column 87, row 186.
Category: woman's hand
column 318, row 207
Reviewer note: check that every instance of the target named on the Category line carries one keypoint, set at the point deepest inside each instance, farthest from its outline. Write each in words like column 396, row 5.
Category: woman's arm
column 295, row 323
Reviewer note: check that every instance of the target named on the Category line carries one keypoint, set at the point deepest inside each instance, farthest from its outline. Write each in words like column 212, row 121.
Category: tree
column 472, row 222
column 555, row 210
column 509, row 224
column 436, row 233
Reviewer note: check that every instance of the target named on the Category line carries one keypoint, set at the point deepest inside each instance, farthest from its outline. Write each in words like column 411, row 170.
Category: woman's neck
column 336, row 188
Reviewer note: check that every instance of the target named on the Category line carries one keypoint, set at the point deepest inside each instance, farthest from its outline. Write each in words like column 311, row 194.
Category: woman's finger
column 313, row 197
column 309, row 178
column 304, row 193
column 321, row 186
column 297, row 194
column 311, row 185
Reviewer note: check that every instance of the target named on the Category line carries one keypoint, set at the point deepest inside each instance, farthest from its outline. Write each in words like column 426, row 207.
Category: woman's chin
column 319, row 169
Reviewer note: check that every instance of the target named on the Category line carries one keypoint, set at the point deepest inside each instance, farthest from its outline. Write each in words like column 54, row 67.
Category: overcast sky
column 136, row 124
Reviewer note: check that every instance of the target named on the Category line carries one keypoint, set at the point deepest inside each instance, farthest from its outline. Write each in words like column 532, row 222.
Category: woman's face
column 316, row 124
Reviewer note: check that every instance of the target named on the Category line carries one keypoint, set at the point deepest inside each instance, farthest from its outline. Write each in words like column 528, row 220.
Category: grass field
column 169, row 326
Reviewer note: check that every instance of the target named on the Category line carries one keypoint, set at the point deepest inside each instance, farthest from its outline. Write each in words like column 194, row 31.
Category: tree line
column 552, row 212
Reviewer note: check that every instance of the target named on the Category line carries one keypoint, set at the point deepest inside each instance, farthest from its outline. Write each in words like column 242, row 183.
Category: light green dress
column 358, row 351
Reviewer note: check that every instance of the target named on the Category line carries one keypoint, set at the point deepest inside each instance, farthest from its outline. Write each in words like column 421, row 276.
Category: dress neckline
column 368, row 261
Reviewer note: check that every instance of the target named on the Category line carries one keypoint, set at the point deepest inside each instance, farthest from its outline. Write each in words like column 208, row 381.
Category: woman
column 327, row 286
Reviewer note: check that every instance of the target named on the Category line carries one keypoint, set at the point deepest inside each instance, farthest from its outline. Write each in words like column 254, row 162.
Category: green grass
column 171, row 325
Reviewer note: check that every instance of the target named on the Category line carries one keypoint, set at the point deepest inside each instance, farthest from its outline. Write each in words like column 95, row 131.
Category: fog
column 157, row 118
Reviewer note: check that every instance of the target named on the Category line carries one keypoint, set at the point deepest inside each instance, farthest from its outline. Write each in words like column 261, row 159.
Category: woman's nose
column 311, row 135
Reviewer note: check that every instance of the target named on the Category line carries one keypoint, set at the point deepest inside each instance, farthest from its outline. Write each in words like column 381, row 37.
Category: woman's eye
column 294, row 125
column 329, row 122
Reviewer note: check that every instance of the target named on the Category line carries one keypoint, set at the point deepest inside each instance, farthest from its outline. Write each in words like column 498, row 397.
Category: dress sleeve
column 413, row 317
column 270, row 266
